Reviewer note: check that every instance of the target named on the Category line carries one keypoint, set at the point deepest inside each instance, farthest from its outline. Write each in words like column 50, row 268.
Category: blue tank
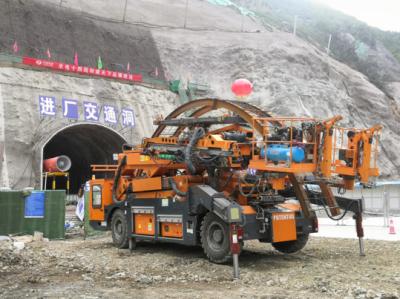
column 281, row 153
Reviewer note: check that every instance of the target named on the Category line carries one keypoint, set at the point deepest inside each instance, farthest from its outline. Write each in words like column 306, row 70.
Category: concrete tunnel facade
column 27, row 137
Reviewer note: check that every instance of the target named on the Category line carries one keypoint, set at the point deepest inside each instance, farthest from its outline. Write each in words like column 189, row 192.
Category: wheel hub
column 118, row 227
column 216, row 236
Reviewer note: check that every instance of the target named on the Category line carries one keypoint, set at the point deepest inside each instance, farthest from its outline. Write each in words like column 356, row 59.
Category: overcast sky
column 384, row 14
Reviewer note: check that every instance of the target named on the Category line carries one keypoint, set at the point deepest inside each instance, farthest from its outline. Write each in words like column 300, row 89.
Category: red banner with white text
column 84, row 70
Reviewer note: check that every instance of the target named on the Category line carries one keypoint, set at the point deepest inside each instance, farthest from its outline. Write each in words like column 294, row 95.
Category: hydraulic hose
column 197, row 134
column 175, row 188
column 321, row 203
column 336, row 218
column 253, row 188
column 206, row 160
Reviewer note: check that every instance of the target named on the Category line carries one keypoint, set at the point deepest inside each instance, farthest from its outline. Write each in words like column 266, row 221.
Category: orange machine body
column 144, row 224
column 283, row 226
column 170, row 184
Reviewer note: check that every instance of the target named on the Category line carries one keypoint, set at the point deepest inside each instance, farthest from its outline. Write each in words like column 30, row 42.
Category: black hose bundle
column 253, row 188
column 337, row 218
column 197, row 134
column 206, row 160
column 175, row 187
column 322, row 203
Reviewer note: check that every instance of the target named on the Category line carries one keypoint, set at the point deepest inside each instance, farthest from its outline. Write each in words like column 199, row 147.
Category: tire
column 119, row 229
column 214, row 233
column 292, row 246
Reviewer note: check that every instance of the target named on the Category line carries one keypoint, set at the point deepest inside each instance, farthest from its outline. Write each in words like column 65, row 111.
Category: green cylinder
column 166, row 157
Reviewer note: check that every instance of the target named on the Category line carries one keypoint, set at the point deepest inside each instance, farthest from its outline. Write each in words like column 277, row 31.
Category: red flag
column 15, row 47
column 156, row 72
column 128, row 67
column 76, row 62
column 48, row 53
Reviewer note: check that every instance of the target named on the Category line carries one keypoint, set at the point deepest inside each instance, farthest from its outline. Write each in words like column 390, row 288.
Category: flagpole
column 186, row 11
column 15, row 47
column 124, row 17
column 76, row 59
column 48, row 53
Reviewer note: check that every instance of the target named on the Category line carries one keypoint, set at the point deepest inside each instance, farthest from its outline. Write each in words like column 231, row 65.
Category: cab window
column 96, row 196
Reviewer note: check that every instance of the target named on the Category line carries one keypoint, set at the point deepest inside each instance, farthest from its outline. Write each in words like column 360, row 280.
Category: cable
column 322, row 203
column 330, row 216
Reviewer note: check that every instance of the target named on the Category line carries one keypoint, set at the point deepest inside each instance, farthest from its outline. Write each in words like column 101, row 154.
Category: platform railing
column 348, row 153
column 293, row 136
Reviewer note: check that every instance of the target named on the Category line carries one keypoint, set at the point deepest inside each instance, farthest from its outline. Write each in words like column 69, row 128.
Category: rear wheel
column 119, row 229
column 292, row 246
column 215, row 238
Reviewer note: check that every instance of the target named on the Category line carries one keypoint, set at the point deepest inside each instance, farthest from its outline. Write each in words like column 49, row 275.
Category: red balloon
column 242, row 87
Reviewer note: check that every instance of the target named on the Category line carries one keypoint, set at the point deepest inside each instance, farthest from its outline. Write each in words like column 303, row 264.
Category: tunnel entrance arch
column 85, row 144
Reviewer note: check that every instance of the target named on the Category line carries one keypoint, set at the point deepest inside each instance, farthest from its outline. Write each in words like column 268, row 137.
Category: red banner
column 85, row 70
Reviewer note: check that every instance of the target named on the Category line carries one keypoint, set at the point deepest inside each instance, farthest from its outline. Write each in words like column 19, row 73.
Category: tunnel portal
column 84, row 144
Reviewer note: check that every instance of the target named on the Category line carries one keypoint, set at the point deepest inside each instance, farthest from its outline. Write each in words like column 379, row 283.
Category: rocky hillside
column 291, row 76
column 374, row 52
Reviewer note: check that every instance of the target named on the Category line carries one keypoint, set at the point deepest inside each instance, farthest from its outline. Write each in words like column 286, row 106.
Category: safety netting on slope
column 242, row 10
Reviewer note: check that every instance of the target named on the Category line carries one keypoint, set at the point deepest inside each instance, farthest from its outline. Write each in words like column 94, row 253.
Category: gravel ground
column 93, row 268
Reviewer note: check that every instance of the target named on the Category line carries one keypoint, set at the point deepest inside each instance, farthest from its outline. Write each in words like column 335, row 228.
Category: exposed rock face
column 290, row 78
column 200, row 14
column 372, row 59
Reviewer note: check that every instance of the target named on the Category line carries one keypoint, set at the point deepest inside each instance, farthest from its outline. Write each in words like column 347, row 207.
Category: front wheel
column 215, row 238
column 119, row 229
column 292, row 246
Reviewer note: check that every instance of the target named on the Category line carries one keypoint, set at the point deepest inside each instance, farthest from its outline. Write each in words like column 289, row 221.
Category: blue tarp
column 34, row 205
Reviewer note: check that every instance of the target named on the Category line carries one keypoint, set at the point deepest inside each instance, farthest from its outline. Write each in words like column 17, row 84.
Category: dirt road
column 74, row 268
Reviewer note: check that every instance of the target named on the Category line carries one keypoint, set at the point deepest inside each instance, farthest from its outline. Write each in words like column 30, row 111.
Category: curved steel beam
column 246, row 111
column 195, row 114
